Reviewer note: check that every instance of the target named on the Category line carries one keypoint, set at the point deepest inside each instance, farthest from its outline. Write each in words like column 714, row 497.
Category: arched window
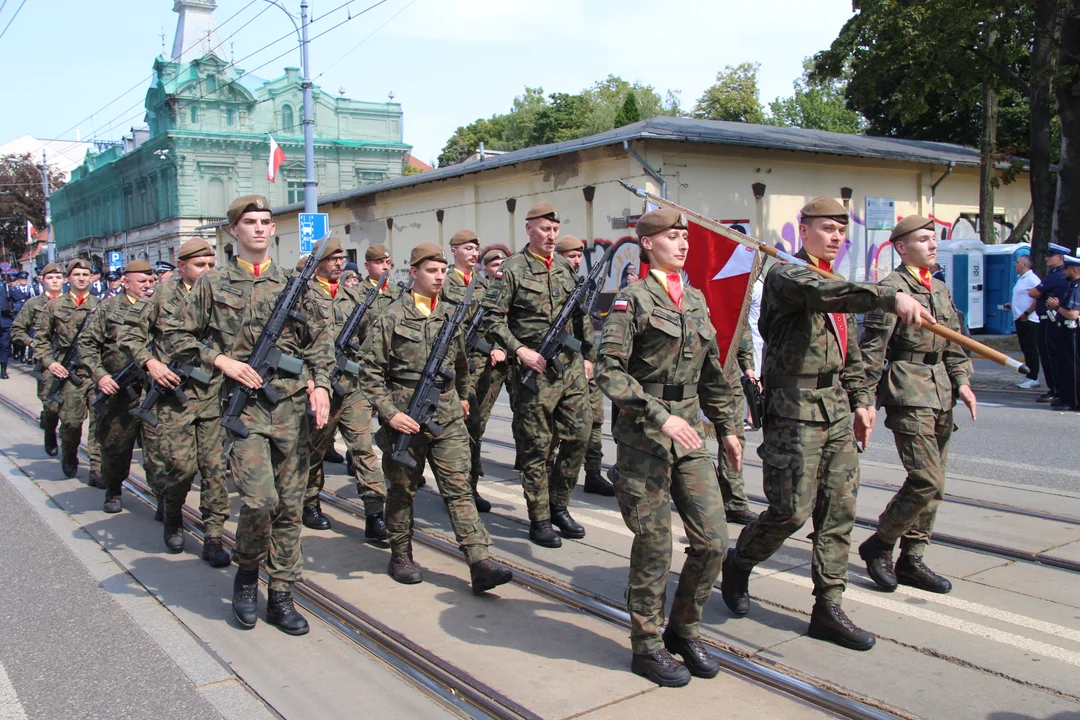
column 286, row 117
column 194, row 113
column 215, row 198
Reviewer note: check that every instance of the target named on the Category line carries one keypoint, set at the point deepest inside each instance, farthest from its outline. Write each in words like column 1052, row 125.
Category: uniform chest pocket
column 532, row 285
column 406, row 344
column 666, row 326
column 228, row 315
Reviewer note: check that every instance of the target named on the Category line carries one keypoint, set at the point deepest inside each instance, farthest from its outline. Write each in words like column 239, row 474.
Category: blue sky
column 447, row 62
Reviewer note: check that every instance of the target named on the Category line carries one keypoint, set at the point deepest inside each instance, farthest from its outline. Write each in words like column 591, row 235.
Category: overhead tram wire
column 373, row 32
column 117, row 121
column 17, row 11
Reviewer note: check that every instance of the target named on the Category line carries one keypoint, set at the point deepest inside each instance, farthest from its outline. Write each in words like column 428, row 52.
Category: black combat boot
column 174, row 529
column 661, row 668
column 1045, row 397
column 214, row 552
column 69, row 460
column 333, row 456
column 740, row 517
column 94, row 480
column 245, row 597
column 735, row 586
column 698, row 660
column 375, row 527
column 879, row 562
column 595, row 484
column 911, row 570
column 487, row 575
column 314, row 519
column 51, row 447
column 541, row 533
column 280, row 611
column 113, row 503
column 830, row 622
column 404, row 570
column 482, row 505
column 570, row 528
column 3, row 371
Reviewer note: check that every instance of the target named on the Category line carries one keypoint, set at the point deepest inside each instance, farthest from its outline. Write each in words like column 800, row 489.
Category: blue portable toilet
column 962, row 262
column 1000, row 279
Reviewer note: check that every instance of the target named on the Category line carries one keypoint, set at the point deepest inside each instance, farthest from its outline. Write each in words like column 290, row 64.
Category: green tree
column 733, row 97
column 467, row 139
column 816, row 105
column 563, row 118
column 22, row 198
column 630, row 112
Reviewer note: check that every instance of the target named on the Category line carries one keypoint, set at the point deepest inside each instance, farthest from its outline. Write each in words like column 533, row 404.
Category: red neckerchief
column 927, row 281
column 79, row 300
column 333, row 289
column 674, row 289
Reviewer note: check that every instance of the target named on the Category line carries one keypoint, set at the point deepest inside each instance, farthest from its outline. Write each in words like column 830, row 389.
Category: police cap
column 1055, row 249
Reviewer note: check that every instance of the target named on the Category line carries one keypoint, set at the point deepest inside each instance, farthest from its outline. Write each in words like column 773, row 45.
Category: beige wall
column 710, row 179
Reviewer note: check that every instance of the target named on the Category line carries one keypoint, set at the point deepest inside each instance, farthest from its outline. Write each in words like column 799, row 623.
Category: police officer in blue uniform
column 20, row 293
column 8, row 300
column 98, row 287
column 1067, row 309
column 1047, row 336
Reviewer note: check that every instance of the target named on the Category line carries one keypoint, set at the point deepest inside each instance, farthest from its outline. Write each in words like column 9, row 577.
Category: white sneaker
column 1027, row 384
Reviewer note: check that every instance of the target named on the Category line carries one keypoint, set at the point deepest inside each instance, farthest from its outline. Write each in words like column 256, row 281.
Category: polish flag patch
column 498, row 274
column 618, row 305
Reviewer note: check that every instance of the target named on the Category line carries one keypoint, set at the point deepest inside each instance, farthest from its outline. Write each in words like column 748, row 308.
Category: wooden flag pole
column 951, row 335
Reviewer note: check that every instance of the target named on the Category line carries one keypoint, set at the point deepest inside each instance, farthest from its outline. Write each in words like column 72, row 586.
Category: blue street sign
column 313, row 228
column 116, row 260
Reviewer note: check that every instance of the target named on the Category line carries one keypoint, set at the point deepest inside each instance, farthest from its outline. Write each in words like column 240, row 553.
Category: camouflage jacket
column 904, row 382
column 377, row 308
column 145, row 337
column 99, row 345
column 394, row 354
column 340, row 308
column 26, row 320
column 230, row 307
column 796, row 329
column 523, row 299
column 647, row 339
column 57, row 325
column 453, row 292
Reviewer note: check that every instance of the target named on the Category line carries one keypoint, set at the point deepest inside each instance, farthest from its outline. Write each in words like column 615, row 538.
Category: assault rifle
column 130, row 378
column 158, row 390
column 266, row 359
column 70, row 361
column 558, row 335
column 755, row 400
column 425, row 398
column 346, row 338
column 474, row 341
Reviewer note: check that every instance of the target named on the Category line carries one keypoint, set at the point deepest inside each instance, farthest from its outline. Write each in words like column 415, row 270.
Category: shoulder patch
column 498, row 274
column 618, row 305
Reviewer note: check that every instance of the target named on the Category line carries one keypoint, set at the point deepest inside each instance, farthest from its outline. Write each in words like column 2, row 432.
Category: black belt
column 671, row 393
column 929, row 358
column 801, row 382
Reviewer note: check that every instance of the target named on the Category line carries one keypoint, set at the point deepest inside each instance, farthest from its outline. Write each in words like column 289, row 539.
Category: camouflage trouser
column 449, row 458
column 116, row 428
column 190, row 444
column 152, row 440
column 809, row 469
column 351, row 414
column 489, row 384
column 269, row 468
column 645, row 488
column 50, row 411
column 732, row 486
column 922, row 440
column 73, row 413
column 594, row 450
column 560, row 409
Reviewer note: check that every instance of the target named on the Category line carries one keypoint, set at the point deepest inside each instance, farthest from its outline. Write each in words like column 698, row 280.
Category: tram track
column 463, row 694
column 946, row 539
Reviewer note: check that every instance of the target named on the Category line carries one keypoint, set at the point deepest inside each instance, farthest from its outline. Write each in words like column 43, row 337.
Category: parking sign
column 116, row 260
column 313, row 228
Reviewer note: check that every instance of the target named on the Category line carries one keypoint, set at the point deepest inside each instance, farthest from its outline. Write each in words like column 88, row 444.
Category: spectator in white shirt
column 1027, row 321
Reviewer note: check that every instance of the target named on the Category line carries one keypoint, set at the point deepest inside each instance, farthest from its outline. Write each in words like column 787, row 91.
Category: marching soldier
column 527, row 294
column 53, row 337
column 23, row 330
column 573, row 249
column 660, row 365
column 732, row 485
column 465, row 248
column 229, row 307
column 188, row 436
column 395, row 351
column 813, row 378
column 917, row 376
column 103, row 356
column 349, row 412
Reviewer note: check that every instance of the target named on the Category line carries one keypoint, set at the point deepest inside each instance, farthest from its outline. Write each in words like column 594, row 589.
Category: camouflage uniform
column 810, row 466
column 53, row 335
column 732, row 485
column 189, row 438
column 22, row 331
column 523, row 300
column 650, row 348
column 350, row 412
column 117, row 427
column 919, row 394
column 393, row 356
column 489, row 383
column 230, row 307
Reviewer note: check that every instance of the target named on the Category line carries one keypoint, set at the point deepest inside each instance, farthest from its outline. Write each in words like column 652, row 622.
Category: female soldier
column 661, row 366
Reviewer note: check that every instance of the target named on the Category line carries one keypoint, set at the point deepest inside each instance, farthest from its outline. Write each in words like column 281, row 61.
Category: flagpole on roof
column 938, row 329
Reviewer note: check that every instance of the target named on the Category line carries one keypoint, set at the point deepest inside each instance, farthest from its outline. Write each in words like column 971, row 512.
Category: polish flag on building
column 277, row 156
column 30, row 232
column 722, row 269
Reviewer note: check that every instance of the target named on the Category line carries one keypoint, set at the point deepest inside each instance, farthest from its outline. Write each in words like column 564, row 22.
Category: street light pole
column 50, row 244
column 311, row 198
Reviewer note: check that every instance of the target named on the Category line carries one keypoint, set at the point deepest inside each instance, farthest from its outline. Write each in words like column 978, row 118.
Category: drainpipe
column 933, row 188
column 649, row 169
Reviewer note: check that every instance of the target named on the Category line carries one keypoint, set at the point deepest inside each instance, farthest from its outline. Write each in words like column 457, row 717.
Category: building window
column 211, row 83
column 286, row 117
column 194, row 114
column 215, row 200
column 230, row 116
column 371, row 177
column 296, row 191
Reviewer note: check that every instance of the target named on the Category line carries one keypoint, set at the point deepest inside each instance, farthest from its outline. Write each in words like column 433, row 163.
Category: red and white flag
column 30, row 232
column 722, row 270
column 277, row 156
